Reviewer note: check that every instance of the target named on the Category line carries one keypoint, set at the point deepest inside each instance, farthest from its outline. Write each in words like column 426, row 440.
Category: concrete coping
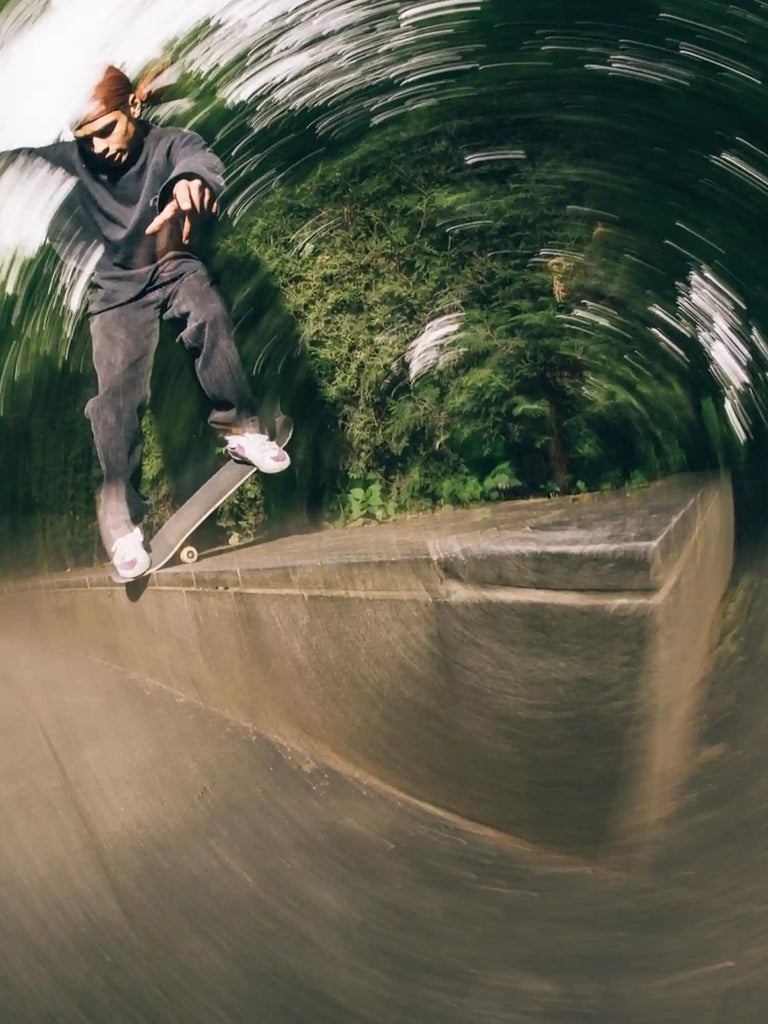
column 613, row 542
column 479, row 660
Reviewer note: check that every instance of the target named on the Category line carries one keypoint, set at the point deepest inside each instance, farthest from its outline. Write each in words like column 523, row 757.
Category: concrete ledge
column 535, row 667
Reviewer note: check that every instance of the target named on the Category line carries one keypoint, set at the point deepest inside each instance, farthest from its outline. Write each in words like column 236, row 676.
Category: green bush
column 49, row 474
column 373, row 246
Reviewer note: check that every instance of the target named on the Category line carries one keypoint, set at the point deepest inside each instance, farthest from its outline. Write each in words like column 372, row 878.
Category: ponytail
column 159, row 77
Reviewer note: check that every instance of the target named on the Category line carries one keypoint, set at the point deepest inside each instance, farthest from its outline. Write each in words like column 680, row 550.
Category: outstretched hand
column 191, row 198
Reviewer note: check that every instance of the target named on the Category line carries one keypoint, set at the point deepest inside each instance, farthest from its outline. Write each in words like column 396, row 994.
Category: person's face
column 110, row 139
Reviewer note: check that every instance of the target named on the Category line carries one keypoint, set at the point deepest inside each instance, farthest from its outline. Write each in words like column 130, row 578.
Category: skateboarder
column 140, row 191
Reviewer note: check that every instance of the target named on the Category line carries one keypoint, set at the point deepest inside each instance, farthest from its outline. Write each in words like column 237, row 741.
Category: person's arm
column 35, row 182
column 193, row 187
column 57, row 154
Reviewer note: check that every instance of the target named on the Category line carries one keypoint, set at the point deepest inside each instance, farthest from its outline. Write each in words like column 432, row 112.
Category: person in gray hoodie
column 140, row 190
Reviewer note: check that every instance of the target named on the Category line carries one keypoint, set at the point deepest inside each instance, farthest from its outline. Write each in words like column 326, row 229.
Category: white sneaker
column 129, row 556
column 265, row 455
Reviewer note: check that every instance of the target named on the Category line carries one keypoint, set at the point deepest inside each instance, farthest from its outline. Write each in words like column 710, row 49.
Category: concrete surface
column 160, row 863
column 444, row 656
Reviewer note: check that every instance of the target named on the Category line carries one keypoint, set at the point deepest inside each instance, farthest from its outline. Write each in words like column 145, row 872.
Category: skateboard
column 196, row 509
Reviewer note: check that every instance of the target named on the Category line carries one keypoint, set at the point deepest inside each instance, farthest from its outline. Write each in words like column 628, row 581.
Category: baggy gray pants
column 124, row 342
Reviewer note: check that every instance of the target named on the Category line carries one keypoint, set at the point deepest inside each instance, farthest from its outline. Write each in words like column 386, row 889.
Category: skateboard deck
column 170, row 537
column 203, row 503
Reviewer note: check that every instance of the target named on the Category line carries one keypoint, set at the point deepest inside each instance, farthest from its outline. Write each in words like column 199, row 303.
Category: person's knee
column 205, row 312
column 207, row 326
column 104, row 412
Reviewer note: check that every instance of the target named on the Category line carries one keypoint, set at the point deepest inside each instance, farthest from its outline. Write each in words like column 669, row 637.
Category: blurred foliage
column 49, row 475
column 372, row 246
column 343, row 263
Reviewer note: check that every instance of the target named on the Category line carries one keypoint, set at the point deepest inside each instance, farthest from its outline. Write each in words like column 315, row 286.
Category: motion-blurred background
column 477, row 249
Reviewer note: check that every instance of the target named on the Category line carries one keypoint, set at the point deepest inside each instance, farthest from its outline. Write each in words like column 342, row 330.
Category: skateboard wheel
column 188, row 555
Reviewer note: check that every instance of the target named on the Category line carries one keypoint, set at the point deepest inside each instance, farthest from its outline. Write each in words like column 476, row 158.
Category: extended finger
column 168, row 214
column 187, row 229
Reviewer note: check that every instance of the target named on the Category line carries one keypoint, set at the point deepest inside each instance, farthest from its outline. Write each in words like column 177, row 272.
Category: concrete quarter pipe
column 162, row 862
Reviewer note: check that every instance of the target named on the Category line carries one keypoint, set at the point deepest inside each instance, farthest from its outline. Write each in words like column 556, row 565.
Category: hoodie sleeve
column 191, row 158
column 58, row 154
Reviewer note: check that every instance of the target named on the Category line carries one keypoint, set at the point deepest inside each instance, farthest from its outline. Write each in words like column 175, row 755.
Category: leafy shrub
column 384, row 244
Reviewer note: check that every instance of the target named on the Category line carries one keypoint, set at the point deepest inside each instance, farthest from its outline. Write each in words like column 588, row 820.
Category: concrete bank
column 535, row 667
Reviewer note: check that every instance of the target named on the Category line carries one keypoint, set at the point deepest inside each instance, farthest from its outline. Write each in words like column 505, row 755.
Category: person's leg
column 209, row 336
column 124, row 342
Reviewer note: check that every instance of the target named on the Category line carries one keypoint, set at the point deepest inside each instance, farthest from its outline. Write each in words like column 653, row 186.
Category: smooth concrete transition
column 160, row 864
column 534, row 667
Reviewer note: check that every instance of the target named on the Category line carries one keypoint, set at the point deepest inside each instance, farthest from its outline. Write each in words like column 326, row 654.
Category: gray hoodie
column 113, row 208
